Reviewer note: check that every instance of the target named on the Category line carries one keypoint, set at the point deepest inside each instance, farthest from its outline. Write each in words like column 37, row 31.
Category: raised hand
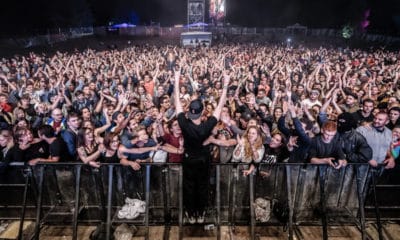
column 225, row 118
column 293, row 141
column 265, row 129
column 239, row 140
column 227, row 79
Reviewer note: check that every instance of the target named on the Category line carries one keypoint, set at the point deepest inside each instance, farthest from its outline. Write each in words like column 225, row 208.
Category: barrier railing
column 342, row 194
column 18, row 176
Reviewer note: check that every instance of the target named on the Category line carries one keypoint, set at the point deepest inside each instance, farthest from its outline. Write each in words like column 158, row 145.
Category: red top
column 174, row 141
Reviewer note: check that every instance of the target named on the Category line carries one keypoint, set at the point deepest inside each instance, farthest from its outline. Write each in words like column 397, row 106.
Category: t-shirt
column 361, row 119
column 15, row 154
column 320, row 149
column 112, row 159
column 194, row 135
column 174, row 141
column 58, row 148
column 37, row 150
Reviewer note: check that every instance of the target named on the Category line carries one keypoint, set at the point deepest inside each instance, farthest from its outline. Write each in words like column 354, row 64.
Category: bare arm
column 222, row 100
column 88, row 158
column 103, row 128
column 178, row 105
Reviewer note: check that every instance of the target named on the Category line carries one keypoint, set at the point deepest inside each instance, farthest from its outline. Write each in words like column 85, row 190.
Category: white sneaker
column 123, row 212
column 200, row 218
column 140, row 206
column 132, row 213
column 190, row 219
column 130, row 201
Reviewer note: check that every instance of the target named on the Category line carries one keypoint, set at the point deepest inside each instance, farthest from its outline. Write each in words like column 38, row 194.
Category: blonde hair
column 247, row 146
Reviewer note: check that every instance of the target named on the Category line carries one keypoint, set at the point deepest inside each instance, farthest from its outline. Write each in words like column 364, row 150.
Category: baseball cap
column 195, row 109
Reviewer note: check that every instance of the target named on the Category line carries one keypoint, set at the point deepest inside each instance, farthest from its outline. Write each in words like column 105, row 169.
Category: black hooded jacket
column 355, row 147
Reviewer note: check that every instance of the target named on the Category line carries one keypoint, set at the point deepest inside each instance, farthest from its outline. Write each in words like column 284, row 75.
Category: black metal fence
column 297, row 193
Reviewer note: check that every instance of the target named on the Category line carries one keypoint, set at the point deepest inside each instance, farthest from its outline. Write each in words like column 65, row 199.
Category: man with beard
column 379, row 138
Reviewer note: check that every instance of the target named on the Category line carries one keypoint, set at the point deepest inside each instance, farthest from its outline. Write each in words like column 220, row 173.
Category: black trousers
column 195, row 183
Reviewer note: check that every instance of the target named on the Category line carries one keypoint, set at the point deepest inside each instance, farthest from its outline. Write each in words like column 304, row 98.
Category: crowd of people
column 252, row 103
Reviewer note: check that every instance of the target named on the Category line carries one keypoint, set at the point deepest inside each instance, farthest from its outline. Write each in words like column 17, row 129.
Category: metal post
column 252, row 217
column 39, row 202
column 218, row 199
column 180, row 202
column 299, row 189
column 109, row 201
column 167, row 211
column 360, row 202
column 322, row 170
column 100, row 189
column 342, row 178
column 233, row 205
column 146, row 217
column 377, row 213
column 77, row 192
column 289, row 199
column 28, row 175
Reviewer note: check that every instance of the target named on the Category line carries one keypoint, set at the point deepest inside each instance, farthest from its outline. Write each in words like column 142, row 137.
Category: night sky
column 27, row 16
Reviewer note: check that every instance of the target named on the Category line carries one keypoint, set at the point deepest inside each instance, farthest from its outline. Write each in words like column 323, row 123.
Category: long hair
column 108, row 138
column 81, row 136
column 247, row 146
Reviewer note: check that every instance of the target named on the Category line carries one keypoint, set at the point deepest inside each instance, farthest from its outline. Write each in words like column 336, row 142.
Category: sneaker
column 140, row 205
column 200, row 218
column 123, row 212
column 129, row 201
column 190, row 218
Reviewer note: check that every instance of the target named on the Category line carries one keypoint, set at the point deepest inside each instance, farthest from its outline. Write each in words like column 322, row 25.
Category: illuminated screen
column 217, row 9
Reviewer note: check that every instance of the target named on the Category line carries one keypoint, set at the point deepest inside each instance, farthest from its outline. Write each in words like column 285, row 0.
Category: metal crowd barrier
column 341, row 194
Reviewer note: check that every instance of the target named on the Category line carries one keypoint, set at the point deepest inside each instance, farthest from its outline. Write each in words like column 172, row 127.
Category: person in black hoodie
column 298, row 135
column 354, row 145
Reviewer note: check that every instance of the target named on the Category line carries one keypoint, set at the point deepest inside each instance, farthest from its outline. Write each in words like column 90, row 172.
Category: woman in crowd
column 88, row 148
column 250, row 149
column 111, row 144
column 26, row 147
column 6, row 143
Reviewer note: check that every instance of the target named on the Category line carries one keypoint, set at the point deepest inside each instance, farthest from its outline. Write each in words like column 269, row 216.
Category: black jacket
column 355, row 147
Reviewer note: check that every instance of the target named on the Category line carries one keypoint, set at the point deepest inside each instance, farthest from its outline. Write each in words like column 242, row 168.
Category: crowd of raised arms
column 283, row 104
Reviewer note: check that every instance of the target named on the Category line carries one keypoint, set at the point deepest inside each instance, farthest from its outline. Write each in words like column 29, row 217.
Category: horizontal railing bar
column 12, row 185
column 383, row 207
column 174, row 164
column 17, row 218
column 387, row 186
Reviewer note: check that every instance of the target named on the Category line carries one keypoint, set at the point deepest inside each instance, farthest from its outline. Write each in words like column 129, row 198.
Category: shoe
column 200, row 218
column 140, row 206
column 190, row 218
column 123, row 212
column 129, row 201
